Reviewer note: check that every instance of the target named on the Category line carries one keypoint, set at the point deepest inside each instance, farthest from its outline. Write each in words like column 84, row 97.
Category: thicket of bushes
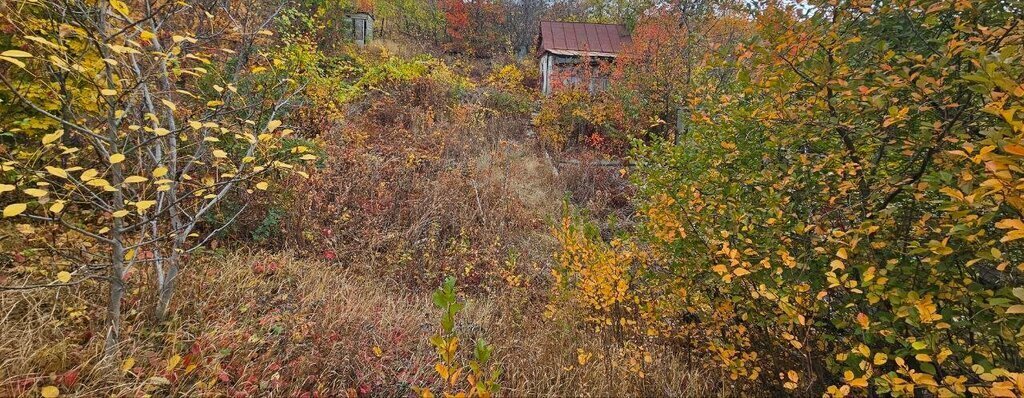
column 822, row 200
column 841, row 213
column 415, row 178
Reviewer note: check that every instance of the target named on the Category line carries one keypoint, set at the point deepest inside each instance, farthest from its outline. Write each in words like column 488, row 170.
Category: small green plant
column 482, row 380
column 269, row 226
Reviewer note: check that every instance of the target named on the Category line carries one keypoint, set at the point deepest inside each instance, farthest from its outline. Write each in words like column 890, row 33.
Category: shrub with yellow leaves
column 130, row 133
column 481, row 380
column 845, row 212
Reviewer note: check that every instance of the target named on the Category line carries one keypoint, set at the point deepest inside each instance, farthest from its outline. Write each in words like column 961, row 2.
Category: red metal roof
column 578, row 38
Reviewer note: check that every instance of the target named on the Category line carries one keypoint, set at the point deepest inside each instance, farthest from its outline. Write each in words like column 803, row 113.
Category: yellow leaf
column 15, row 54
column 273, row 125
column 159, row 172
column 863, row 321
column 44, row 42
column 918, row 378
column 54, row 136
column 582, row 356
column 108, row 92
column 59, row 63
column 14, row 209
column 262, row 185
column 134, row 179
column 1010, row 223
column 217, row 153
column 120, row 213
column 89, row 175
column 377, row 351
column 121, row 7
column 57, row 207
column 35, row 192
column 1015, row 309
column 63, row 276
column 173, row 362
column 842, row 253
column 57, row 171
column 1014, row 149
column 146, row 35
column 6, row 188
column 169, row 104
column 116, row 158
column 1012, row 235
column 13, row 61
column 952, row 192
column 98, row 182
column 740, row 271
column 145, row 204
column 880, row 358
column 49, row 392
column 442, row 370
column 128, row 364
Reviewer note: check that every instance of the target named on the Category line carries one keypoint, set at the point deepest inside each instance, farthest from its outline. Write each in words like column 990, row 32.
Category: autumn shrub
column 674, row 57
column 562, row 119
column 460, row 375
column 572, row 119
column 654, row 83
column 842, row 218
column 142, row 134
column 415, row 181
column 511, row 93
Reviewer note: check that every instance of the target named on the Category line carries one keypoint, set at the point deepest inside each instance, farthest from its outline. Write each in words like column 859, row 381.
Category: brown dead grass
column 416, row 187
column 256, row 324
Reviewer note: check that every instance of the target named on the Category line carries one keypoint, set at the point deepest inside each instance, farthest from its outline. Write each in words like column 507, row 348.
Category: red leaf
column 70, row 378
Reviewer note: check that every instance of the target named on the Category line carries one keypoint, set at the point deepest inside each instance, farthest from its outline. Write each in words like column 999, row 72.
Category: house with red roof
column 564, row 47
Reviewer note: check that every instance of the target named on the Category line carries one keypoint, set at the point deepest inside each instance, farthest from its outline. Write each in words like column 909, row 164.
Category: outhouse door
column 359, row 24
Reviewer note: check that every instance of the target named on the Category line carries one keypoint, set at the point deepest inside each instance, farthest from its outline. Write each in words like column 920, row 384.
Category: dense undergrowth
column 834, row 209
column 767, row 200
column 422, row 172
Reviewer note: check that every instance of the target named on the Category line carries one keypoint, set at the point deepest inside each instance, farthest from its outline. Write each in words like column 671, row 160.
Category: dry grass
column 262, row 324
column 418, row 184
column 416, row 187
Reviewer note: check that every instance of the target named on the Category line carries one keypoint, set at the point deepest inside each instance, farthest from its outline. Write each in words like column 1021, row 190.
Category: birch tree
column 133, row 122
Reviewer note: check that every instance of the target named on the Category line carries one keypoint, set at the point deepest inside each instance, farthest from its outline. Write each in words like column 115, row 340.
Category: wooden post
column 681, row 127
